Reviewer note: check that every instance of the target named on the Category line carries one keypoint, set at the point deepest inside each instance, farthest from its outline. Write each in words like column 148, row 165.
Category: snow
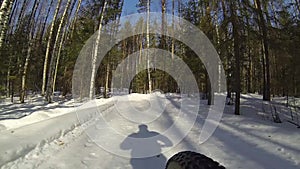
column 67, row 136
column 35, row 109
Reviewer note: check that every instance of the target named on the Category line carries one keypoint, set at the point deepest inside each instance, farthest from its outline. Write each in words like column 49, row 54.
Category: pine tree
column 266, row 62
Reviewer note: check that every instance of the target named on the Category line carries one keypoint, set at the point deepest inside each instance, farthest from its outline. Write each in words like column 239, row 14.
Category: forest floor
column 62, row 135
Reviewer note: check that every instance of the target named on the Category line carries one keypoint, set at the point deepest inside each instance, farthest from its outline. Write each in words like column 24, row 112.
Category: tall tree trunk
column 263, row 28
column 173, row 27
column 94, row 57
column 48, row 47
column 297, row 3
column 8, row 79
column 250, row 64
column 22, row 11
column 12, row 91
column 12, row 16
column 45, row 21
column 249, row 72
column 11, row 20
column 163, row 45
column 63, row 36
column 106, row 88
column 227, row 58
column 218, row 44
column 30, row 38
column 57, row 61
column 236, row 36
column 5, row 10
column 148, row 46
column 173, row 87
column 53, row 57
column 124, row 54
column 75, row 18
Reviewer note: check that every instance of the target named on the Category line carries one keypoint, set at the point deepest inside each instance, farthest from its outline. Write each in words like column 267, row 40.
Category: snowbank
column 18, row 141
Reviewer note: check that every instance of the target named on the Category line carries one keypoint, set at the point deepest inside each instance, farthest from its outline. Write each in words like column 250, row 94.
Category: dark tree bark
column 263, row 28
column 237, row 53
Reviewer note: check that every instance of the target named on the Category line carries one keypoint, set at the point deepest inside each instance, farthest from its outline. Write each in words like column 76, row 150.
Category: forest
column 257, row 41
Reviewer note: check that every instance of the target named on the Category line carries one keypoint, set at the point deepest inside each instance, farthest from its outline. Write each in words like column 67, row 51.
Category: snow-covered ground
column 64, row 136
column 35, row 109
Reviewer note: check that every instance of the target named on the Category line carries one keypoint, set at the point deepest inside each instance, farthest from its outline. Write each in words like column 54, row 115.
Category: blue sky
column 130, row 6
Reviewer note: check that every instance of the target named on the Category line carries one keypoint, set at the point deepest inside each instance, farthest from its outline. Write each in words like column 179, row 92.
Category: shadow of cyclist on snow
column 146, row 143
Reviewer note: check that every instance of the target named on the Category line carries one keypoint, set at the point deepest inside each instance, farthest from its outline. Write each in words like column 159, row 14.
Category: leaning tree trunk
column 5, row 10
column 63, row 36
column 48, row 47
column 94, row 57
column 45, row 22
column 49, row 92
column 297, row 3
column 75, row 18
column 30, row 38
column 57, row 62
column 12, row 19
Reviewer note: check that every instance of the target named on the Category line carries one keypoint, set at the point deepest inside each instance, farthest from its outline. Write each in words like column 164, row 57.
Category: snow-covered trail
column 77, row 150
column 239, row 142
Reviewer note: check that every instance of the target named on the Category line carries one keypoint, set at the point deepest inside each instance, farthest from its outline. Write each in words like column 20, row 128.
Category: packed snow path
column 239, row 142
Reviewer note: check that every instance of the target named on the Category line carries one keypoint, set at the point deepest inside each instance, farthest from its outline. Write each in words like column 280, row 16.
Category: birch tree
column 148, row 46
column 45, row 21
column 173, row 30
column 5, row 11
column 30, row 26
column 12, row 19
column 95, row 52
column 144, row 6
column 114, row 9
column 48, row 47
column 53, row 57
column 63, row 38
column 75, row 18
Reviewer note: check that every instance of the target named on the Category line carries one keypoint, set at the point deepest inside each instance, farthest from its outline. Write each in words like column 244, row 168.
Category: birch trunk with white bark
column 48, row 47
column 31, row 36
column 49, row 92
column 94, row 57
column 148, row 46
column 75, row 18
column 5, row 10
column 63, row 36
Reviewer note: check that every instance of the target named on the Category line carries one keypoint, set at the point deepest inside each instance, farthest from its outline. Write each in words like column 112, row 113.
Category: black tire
column 192, row 160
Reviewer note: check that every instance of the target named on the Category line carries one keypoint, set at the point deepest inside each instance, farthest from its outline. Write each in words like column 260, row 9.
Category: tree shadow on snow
column 146, row 142
column 20, row 110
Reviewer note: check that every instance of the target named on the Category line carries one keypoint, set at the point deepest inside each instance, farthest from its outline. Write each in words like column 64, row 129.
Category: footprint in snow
column 280, row 149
